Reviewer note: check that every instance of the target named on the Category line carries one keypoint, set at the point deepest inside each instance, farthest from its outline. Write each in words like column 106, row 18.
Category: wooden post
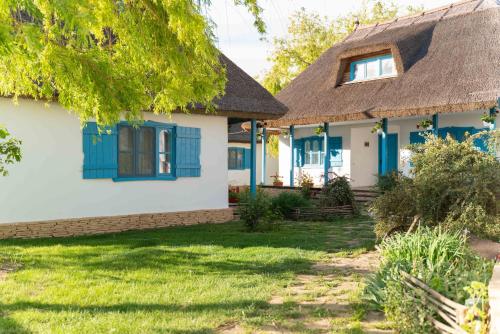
column 292, row 160
column 383, row 148
column 264, row 153
column 253, row 157
column 435, row 124
column 326, row 162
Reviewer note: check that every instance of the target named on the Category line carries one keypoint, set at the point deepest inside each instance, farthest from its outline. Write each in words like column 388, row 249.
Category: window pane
column 165, row 166
column 388, row 66
column 359, row 71
column 372, row 69
column 126, row 139
column 145, row 154
column 165, row 141
column 239, row 159
column 315, row 155
column 307, row 152
column 125, row 163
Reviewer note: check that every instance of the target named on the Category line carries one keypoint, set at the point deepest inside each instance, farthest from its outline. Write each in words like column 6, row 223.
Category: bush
column 442, row 260
column 286, row 202
column 449, row 178
column 337, row 192
column 306, row 184
column 256, row 210
column 388, row 182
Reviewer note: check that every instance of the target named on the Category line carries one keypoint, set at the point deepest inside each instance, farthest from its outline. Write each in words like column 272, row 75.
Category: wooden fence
column 451, row 314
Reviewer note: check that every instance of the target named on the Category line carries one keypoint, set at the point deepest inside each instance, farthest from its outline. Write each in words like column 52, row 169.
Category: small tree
column 10, row 150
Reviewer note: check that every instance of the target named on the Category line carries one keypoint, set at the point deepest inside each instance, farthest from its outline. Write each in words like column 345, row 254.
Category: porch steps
column 365, row 196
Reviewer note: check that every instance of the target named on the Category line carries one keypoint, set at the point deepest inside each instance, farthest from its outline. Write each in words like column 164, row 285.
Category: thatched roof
column 448, row 60
column 245, row 98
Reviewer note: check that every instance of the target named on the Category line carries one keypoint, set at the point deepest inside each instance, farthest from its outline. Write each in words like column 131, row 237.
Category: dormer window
column 369, row 68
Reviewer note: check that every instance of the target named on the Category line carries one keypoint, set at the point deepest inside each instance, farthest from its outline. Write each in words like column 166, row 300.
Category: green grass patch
column 175, row 280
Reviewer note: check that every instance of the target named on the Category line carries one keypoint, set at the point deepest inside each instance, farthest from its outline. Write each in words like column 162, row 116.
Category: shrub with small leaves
column 286, row 202
column 255, row 210
column 337, row 192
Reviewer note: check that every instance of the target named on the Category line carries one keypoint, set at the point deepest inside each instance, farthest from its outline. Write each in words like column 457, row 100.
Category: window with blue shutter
column 152, row 151
column 298, row 152
column 99, row 152
column 247, row 158
column 335, row 145
column 188, row 147
column 458, row 133
column 236, row 158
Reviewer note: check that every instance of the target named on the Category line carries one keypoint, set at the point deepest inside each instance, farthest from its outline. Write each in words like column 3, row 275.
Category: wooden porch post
column 264, row 153
column 435, row 124
column 253, row 157
column 383, row 148
column 292, row 160
column 326, row 162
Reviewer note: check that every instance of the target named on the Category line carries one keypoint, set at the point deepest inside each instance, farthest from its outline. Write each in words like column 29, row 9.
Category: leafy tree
column 10, row 150
column 309, row 35
column 105, row 59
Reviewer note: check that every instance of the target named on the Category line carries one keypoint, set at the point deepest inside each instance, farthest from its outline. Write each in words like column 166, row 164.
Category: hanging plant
column 425, row 124
column 284, row 133
column 489, row 120
column 378, row 128
column 319, row 130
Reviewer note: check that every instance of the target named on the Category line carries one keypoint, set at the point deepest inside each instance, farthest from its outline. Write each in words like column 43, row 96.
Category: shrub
column 449, row 178
column 286, row 202
column 389, row 182
column 256, row 210
column 306, row 184
column 442, row 260
column 337, row 192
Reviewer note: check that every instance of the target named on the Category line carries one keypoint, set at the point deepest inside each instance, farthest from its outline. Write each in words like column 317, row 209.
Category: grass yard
column 196, row 279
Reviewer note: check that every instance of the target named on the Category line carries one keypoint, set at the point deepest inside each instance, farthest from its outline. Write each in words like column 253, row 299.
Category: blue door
column 392, row 153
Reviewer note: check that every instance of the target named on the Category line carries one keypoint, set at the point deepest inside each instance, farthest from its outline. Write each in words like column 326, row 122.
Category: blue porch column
column 253, row 157
column 435, row 124
column 264, row 153
column 383, row 148
column 326, row 162
column 493, row 113
column 292, row 158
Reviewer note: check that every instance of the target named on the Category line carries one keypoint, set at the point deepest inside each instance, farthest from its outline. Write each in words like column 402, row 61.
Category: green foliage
column 476, row 318
column 306, row 183
column 10, row 150
column 105, row 59
column 389, row 181
column 442, row 260
column 256, row 211
column 452, row 184
column 273, row 143
column 337, row 192
column 286, row 202
column 309, row 35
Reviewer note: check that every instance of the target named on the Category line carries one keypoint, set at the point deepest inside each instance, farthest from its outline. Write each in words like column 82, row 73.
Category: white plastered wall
column 47, row 184
column 355, row 135
column 242, row 177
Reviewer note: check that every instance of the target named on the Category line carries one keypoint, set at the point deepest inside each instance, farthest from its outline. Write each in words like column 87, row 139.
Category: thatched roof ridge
column 447, row 61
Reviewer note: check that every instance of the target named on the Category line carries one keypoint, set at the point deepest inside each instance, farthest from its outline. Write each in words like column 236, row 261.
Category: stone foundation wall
column 111, row 224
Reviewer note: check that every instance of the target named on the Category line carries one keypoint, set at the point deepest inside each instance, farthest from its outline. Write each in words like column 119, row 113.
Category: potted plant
column 319, row 130
column 277, row 180
column 378, row 128
column 284, row 133
column 426, row 124
column 233, row 195
column 488, row 120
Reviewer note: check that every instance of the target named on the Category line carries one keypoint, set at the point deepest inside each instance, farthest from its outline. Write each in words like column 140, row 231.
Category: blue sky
column 239, row 40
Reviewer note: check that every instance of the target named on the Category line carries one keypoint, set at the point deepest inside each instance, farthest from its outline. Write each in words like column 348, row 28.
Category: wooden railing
column 451, row 314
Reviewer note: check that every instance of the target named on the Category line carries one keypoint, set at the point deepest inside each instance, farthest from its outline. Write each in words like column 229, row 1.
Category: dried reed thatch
column 447, row 61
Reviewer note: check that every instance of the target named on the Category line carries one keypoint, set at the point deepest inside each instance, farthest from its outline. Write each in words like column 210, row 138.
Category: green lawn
column 176, row 280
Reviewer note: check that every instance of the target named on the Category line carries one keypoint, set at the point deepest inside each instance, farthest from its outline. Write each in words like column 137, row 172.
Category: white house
column 441, row 66
column 239, row 161
column 168, row 171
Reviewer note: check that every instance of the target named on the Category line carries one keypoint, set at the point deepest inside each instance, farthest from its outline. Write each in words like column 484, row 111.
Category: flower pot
column 278, row 183
column 380, row 131
column 488, row 125
column 233, row 200
column 430, row 127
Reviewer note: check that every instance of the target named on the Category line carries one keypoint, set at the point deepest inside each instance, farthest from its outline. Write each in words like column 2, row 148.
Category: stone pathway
column 326, row 300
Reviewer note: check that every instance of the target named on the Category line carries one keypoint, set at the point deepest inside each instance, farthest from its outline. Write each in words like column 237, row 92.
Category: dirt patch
column 486, row 248
column 6, row 268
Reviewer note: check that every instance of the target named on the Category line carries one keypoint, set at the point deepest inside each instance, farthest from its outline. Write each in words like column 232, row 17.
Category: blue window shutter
column 247, row 158
column 417, row 138
column 100, row 157
column 187, row 152
column 298, row 151
column 335, row 151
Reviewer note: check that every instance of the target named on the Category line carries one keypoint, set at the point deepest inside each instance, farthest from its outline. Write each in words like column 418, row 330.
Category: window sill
column 146, row 178
column 371, row 79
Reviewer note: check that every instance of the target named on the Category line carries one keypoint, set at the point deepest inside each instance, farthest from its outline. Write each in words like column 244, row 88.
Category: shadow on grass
column 10, row 326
